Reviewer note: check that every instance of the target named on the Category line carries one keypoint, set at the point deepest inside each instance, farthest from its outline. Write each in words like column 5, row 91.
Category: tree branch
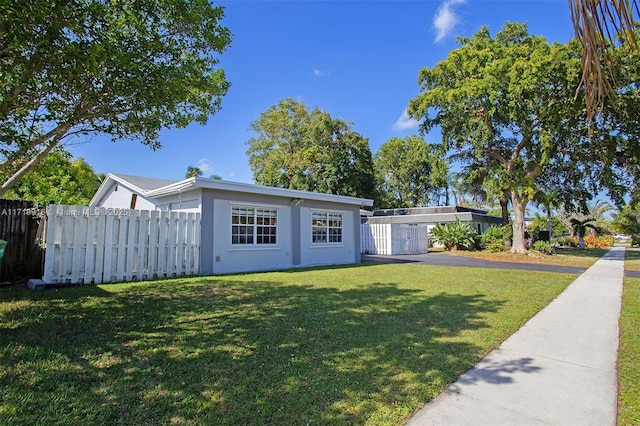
column 11, row 181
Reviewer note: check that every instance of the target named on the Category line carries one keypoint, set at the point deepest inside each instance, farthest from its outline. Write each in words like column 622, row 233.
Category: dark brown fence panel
column 19, row 222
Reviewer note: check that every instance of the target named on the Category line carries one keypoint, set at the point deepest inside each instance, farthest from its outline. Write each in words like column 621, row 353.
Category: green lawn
column 632, row 259
column 629, row 352
column 364, row 344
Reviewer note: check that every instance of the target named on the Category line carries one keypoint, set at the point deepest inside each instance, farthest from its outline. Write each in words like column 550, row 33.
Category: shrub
column 604, row 241
column 543, row 247
column 495, row 246
column 454, row 236
column 493, row 238
column 566, row 242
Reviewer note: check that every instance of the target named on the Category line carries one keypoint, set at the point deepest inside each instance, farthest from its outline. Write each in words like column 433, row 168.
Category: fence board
column 154, row 237
column 392, row 239
column 99, row 245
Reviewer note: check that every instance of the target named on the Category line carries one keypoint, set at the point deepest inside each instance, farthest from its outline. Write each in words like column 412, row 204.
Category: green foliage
column 494, row 246
column 192, row 172
column 543, row 247
column 566, row 242
column 615, row 152
column 306, row 149
column 507, row 107
column 580, row 227
column 455, row 235
column 407, row 171
column 126, row 68
column 493, row 238
column 57, row 178
column 538, row 222
column 626, row 221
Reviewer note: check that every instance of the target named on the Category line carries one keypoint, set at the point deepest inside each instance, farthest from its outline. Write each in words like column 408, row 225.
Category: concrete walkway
column 558, row 369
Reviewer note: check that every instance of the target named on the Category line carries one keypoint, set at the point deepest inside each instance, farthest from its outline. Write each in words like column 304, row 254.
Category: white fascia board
column 174, row 188
column 279, row 192
column 247, row 188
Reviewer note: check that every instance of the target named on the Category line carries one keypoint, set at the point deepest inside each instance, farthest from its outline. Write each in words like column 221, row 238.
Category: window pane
column 326, row 227
column 251, row 225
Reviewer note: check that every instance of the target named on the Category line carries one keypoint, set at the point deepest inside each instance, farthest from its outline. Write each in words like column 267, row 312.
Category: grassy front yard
column 353, row 345
column 629, row 352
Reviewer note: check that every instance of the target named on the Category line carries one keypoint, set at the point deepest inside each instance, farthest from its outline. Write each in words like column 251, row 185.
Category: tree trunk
column 26, row 167
column 519, row 244
column 549, row 223
column 504, row 207
column 581, row 244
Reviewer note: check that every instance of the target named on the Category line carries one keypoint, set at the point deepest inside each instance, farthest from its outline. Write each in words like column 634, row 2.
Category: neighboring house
column 431, row 216
column 248, row 227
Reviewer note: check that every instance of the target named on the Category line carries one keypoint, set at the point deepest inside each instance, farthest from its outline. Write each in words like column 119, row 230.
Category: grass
column 632, row 259
column 363, row 344
column 562, row 257
column 629, row 351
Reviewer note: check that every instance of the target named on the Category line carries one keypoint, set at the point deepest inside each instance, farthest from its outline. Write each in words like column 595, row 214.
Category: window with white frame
column 254, row 225
column 326, row 227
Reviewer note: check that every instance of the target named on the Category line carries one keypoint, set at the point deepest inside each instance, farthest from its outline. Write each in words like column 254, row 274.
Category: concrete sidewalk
column 558, row 369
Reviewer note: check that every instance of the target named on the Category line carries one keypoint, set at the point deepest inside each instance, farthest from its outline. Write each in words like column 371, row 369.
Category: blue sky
column 357, row 60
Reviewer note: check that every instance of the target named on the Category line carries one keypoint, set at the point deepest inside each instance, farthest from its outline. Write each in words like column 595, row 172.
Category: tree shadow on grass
column 232, row 352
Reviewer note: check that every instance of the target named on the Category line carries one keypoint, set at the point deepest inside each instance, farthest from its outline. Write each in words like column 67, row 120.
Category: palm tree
column 192, row 172
column 597, row 24
column 598, row 211
column 538, row 222
column 580, row 229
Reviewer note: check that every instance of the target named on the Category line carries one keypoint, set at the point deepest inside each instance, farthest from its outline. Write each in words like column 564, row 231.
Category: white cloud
column 405, row 122
column 320, row 73
column 204, row 166
column 446, row 18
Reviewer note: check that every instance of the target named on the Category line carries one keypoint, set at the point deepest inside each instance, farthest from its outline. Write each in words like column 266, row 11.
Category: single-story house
column 429, row 217
column 247, row 227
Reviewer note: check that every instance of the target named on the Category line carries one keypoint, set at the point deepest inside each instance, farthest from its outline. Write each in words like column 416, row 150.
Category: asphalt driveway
column 449, row 259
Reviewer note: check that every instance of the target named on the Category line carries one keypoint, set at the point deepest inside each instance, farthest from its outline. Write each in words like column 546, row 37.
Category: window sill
column 327, row 245
column 254, row 247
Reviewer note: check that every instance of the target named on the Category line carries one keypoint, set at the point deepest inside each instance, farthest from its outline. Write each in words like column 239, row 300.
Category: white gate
column 87, row 245
column 390, row 239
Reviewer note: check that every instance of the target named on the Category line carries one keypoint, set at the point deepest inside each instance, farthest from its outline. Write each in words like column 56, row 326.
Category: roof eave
column 106, row 183
column 279, row 192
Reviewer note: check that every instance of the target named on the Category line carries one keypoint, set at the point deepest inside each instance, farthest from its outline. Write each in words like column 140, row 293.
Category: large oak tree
column 410, row 172
column 123, row 68
column 511, row 100
column 299, row 148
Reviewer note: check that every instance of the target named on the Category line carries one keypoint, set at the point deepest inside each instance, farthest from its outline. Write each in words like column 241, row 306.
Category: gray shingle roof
column 145, row 183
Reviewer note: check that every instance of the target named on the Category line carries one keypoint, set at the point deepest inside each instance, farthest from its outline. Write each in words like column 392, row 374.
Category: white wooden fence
column 390, row 239
column 87, row 245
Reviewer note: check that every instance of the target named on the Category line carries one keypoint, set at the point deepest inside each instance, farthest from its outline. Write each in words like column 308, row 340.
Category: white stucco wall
column 119, row 197
column 229, row 258
column 189, row 202
column 327, row 253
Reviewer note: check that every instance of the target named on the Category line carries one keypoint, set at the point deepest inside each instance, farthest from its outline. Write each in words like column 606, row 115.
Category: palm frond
column 599, row 25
